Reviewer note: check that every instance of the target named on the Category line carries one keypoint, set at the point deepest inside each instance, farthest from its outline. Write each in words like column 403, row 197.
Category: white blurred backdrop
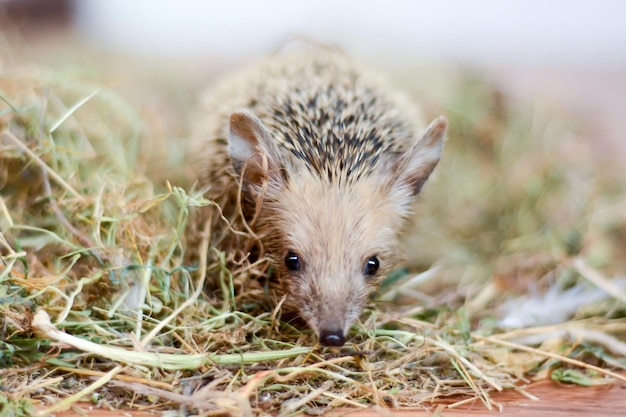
column 568, row 53
column 558, row 33
column 565, row 54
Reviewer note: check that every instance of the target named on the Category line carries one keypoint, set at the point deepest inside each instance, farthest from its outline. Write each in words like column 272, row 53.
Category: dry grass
column 518, row 205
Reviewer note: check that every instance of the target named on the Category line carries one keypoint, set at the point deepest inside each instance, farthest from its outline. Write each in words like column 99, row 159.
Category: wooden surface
column 555, row 400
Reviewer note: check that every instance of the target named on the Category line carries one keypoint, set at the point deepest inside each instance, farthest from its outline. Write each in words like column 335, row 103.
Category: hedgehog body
column 316, row 165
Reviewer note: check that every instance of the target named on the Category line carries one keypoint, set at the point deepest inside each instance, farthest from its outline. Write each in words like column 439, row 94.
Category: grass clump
column 102, row 291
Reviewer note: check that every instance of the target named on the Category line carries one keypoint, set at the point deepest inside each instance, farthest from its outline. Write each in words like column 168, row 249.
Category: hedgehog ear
column 413, row 168
column 251, row 148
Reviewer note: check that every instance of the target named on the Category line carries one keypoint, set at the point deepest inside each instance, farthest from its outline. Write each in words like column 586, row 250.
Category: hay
column 105, row 250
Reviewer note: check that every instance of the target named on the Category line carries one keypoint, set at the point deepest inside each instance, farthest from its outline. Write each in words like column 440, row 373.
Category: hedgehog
column 314, row 164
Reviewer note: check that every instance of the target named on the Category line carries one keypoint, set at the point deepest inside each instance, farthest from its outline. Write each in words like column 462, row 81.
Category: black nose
column 332, row 338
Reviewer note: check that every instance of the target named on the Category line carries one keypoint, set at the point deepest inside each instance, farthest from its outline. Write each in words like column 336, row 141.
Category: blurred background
column 567, row 54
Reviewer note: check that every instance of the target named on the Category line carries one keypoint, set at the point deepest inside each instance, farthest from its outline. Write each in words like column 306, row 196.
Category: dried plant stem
column 66, row 403
column 204, row 247
column 57, row 178
column 71, row 111
column 125, row 378
column 37, row 386
column 82, row 238
column 43, row 326
column 551, row 355
column 598, row 280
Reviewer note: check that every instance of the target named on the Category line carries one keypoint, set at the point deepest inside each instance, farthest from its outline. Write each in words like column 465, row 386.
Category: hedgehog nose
column 332, row 337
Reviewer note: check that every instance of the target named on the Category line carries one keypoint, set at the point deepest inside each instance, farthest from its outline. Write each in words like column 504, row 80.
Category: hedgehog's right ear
column 252, row 150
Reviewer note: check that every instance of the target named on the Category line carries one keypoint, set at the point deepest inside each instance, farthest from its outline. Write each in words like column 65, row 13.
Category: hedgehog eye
column 292, row 262
column 371, row 266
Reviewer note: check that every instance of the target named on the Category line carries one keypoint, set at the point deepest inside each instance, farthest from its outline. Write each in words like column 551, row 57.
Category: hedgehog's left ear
column 252, row 151
column 413, row 168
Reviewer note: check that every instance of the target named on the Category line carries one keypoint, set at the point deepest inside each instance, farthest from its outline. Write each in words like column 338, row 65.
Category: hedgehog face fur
column 356, row 229
column 335, row 164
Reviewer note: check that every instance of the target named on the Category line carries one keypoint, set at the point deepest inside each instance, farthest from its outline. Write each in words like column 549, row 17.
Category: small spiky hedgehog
column 315, row 165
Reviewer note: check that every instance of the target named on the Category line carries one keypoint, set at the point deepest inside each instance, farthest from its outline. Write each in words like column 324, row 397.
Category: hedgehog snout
column 333, row 322
column 332, row 337
column 327, row 319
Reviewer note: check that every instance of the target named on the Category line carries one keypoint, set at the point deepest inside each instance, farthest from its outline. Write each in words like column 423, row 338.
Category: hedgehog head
column 331, row 241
